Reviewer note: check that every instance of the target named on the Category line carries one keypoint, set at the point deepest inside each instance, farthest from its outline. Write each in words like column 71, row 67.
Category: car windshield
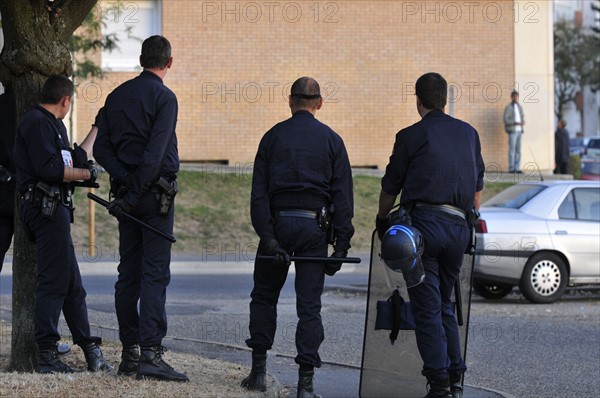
column 595, row 144
column 590, row 168
column 515, row 196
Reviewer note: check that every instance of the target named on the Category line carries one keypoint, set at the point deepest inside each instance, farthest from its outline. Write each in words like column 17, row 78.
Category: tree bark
column 36, row 35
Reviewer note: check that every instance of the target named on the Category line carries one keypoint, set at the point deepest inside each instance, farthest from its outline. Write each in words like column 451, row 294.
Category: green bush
column 575, row 166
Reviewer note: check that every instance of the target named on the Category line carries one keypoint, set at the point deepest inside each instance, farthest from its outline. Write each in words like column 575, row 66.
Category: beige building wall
column 235, row 61
column 534, row 74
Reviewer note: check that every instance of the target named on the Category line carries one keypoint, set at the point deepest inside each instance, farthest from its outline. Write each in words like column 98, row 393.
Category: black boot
column 130, row 356
column 94, row 358
column 257, row 379
column 439, row 386
column 456, row 389
column 305, row 384
column 48, row 362
column 152, row 366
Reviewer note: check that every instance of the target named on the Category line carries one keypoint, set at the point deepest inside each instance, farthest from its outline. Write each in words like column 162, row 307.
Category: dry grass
column 213, row 214
column 208, row 378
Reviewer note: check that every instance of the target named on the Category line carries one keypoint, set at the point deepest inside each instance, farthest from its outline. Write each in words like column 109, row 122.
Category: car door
column 576, row 233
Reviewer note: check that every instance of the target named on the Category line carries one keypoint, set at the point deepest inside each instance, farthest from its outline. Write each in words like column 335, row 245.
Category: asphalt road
column 522, row 349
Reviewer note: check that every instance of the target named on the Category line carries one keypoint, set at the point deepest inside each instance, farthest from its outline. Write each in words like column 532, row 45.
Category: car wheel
column 544, row 278
column 492, row 290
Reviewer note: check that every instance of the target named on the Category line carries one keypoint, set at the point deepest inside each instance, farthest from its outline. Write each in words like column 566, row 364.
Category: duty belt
column 297, row 213
column 455, row 211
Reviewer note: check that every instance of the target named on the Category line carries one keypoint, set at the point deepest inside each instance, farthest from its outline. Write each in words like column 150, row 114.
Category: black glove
column 91, row 166
column 333, row 267
column 117, row 207
column 382, row 225
column 272, row 247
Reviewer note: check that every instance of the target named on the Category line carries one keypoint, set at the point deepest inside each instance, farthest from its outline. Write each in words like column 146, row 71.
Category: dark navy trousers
column 59, row 284
column 144, row 274
column 299, row 237
column 446, row 237
column 7, row 221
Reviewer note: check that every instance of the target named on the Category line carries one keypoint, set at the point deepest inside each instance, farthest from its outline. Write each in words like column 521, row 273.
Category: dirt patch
column 208, row 377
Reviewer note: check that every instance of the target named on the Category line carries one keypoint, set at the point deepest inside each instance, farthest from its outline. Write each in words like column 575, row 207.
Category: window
column 515, row 196
column 132, row 22
column 581, row 204
column 567, row 208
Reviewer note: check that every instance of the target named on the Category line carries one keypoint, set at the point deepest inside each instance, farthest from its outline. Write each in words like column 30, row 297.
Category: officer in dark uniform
column 437, row 165
column 301, row 168
column 7, row 170
column 46, row 167
column 137, row 145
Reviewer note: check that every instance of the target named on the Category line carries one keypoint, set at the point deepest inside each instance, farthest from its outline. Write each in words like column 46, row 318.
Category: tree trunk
column 35, row 47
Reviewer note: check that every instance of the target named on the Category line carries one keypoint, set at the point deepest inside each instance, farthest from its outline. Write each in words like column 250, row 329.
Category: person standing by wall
column 514, row 120
column 561, row 148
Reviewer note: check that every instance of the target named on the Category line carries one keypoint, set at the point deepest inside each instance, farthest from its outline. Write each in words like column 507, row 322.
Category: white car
column 540, row 236
column 592, row 150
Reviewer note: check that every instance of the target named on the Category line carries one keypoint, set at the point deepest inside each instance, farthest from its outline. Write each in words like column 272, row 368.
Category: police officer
column 301, row 168
column 436, row 163
column 46, row 166
column 7, row 170
column 137, row 145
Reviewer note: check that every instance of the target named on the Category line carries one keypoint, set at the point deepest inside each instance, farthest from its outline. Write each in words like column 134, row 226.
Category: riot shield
column 395, row 370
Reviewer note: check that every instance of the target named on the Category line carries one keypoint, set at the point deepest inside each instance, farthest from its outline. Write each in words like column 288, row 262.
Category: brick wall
column 234, row 63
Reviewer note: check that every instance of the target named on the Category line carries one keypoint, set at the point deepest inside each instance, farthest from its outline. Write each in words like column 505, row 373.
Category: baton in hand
column 139, row 222
column 353, row 260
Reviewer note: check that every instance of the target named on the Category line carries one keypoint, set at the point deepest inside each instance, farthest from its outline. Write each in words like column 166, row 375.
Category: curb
column 345, row 288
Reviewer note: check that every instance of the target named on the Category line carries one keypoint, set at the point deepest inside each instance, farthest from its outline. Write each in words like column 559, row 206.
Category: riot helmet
column 401, row 250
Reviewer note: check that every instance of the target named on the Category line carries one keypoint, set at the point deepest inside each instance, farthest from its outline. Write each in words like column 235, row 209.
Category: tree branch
column 73, row 14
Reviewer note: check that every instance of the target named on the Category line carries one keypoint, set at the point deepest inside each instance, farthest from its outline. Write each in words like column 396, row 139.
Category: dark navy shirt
column 39, row 143
column 8, row 128
column 561, row 146
column 136, row 140
column 301, row 163
column 437, row 160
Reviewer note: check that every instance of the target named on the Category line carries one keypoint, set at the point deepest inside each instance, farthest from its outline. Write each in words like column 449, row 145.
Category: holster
column 325, row 220
column 47, row 198
column 168, row 190
column 472, row 217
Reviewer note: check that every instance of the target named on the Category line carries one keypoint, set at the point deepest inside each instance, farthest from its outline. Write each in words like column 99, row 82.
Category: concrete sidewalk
column 280, row 367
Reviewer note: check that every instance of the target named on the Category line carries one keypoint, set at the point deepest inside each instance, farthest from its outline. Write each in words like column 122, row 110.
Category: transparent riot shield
column 395, row 370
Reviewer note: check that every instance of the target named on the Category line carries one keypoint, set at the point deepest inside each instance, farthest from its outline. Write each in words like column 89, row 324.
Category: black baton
column 458, row 298
column 354, row 260
column 139, row 222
